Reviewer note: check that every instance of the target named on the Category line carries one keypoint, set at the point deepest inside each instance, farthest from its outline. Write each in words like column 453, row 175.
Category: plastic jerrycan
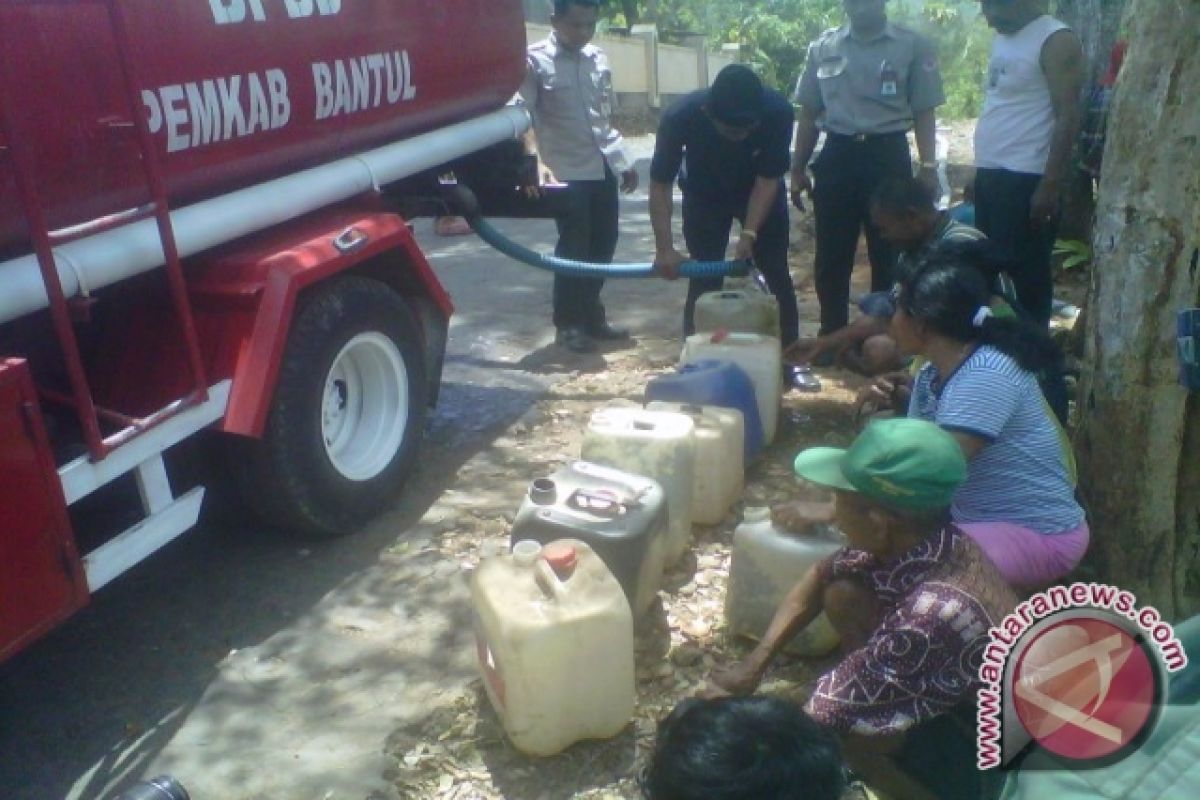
column 555, row 644
column 713, row 383
column 766, row 564
column 719, row 473
column 657, row 444
column 741, row 310
column 759, row 356
column 622, row 517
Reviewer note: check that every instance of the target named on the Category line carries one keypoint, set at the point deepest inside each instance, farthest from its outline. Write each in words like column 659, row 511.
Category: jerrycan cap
column 719, row 335
column 543, row 492
column 756, row 513
column 562, row 558
column 526, row 552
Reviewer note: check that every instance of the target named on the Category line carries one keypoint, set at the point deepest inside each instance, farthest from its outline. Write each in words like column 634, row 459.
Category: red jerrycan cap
column 719, row 335
column 562, row 558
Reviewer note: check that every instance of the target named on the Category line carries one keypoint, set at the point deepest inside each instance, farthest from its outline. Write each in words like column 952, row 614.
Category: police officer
column 865, row 85
column 568, row 90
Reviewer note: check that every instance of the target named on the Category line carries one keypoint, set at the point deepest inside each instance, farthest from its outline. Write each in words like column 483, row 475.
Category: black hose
column 464, row 201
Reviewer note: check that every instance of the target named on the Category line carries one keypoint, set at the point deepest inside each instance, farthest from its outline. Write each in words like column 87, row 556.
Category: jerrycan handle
column 555, row 568
column 600, row 503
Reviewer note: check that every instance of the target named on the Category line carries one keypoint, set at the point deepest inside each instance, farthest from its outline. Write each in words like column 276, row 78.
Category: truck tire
column 348, row 413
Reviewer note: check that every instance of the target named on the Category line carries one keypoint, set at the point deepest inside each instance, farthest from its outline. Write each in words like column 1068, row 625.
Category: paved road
column 254, row 666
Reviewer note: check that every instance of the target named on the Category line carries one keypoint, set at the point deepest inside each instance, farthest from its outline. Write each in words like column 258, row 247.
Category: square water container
column 623, row 517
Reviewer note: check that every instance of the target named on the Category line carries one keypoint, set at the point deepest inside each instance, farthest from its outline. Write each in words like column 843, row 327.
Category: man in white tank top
column 1025, row 138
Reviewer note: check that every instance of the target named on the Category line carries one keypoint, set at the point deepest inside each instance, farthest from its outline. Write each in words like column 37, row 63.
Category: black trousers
column 1002, row 201
column 845, row 174
column 706, row 226
column 587, row 233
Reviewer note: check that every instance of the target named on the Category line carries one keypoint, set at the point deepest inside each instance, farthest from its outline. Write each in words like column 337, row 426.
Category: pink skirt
column 1028, row 559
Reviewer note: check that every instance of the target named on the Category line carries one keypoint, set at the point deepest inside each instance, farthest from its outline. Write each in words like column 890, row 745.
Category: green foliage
column 963, row 41
column 774, row 35
column 1074, row 253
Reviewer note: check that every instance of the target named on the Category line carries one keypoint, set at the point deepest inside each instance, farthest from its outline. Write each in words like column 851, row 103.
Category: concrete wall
column 678, row 71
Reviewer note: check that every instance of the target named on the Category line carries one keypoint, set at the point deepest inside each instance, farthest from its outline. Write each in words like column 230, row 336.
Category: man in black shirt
column 729, row 145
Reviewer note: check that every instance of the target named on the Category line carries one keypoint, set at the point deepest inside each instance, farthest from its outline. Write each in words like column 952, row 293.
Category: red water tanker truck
column 200, row 235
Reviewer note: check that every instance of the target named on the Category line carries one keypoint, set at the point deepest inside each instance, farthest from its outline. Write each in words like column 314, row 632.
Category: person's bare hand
column 737, row 679
column 891, row 390
column 629, row 181
column 1043, row 206
column 667, row 263
column 544, row 178
column 801, row 185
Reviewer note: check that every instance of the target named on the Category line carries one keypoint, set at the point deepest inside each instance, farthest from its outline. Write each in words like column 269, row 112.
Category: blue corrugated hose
column 582, row 269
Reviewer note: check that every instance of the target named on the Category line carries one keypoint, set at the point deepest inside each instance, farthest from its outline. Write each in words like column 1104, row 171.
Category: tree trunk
column 1139, row 439
column 1097, row 22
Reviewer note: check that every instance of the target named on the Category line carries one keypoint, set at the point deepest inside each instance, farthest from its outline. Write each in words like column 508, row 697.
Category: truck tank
column 235, row 91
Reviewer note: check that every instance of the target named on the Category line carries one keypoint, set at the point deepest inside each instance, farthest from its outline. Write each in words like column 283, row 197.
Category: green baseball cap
column 906, row 463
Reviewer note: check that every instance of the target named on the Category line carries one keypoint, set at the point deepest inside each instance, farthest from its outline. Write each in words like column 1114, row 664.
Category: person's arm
column 1063, row 64
column 527, row 96
column 664, row 167
column 666, row 258
column 804, row 351
column 612, row 144
column 977, row 405
column 801, row 606
column 807, row 135
column 925, row 94
column 812, row 105
column 762, row 197
column 925, row 131
column 970, row 443
column 893, row 390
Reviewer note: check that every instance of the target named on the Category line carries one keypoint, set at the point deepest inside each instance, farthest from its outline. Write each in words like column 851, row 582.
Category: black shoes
column 575, row 340
column 607, row 333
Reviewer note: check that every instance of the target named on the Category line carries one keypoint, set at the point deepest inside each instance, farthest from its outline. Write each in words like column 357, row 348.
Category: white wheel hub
column 364, row 410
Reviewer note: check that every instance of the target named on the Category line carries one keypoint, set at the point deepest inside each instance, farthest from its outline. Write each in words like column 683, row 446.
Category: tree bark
column 1139, row 439
column 1098, row 23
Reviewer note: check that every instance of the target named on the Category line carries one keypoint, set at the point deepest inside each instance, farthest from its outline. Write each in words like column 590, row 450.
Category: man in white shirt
column 1024, row 140
column 569, row 92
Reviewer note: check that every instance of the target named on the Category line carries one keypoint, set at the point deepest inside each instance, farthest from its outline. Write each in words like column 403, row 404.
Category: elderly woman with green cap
column 912, row 598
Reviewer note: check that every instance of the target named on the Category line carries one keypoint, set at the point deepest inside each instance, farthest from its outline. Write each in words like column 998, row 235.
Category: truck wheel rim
column 364, row 409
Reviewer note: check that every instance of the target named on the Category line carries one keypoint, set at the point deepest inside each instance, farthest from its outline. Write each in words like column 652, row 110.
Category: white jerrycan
column 759, row 356
column 766, row 564
column 740, row 310
column 555, row 642
column 720, row 461
column 658, row 445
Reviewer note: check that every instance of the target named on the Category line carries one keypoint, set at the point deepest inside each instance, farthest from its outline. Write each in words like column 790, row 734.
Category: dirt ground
column 459, row 751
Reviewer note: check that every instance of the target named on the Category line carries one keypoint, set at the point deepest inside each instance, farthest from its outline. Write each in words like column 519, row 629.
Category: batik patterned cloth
column 937, row 602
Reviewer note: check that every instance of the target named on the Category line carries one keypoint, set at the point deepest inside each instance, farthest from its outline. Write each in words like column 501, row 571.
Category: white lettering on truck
column 200, row 113
column 346, row 86
column 228, row 12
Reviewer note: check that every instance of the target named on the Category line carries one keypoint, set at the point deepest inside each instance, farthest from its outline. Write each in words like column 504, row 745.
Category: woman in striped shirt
column 980, row 383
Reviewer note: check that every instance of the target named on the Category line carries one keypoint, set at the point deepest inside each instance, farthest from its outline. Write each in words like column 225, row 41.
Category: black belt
column 862, row 138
